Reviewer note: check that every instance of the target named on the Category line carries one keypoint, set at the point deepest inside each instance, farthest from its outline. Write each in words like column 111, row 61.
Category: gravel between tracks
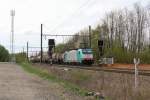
column 15, row 84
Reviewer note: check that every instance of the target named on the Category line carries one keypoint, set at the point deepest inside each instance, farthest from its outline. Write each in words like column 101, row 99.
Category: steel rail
column 116, row 70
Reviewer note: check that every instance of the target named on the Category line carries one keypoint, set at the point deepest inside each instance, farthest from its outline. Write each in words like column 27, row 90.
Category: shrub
column 21, row 57
column 4, row 54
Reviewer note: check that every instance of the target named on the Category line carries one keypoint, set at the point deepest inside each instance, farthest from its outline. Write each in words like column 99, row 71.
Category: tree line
column 126, row 34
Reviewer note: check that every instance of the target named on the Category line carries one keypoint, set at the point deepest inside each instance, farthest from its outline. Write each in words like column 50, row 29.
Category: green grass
column 45, row 75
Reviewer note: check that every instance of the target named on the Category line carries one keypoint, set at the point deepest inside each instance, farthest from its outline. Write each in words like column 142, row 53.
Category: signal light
column 100, row 47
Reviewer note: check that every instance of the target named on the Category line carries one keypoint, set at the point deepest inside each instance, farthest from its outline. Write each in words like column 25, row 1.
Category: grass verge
column 45, row 75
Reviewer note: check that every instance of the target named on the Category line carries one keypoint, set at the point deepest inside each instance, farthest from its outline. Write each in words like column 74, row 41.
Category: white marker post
column 136, row 62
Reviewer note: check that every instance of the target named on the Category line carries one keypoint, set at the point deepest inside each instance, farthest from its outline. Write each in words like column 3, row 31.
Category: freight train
column 75, row 56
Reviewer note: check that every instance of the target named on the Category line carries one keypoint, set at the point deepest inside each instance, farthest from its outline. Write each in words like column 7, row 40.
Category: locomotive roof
column 76, row 49
column 80, row 48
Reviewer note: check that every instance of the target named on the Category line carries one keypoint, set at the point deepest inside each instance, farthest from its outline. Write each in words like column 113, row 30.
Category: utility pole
column 13, row 59
column 27, row 50
column 90, row 35
column 41, row 43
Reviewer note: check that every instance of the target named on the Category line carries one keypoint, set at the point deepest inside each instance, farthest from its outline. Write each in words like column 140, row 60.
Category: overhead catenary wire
column 88, row 3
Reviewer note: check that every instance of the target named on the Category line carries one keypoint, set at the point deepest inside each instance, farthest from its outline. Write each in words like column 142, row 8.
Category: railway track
column 106, row 69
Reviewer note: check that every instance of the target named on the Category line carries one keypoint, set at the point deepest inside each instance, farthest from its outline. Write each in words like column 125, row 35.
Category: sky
column 57, row 17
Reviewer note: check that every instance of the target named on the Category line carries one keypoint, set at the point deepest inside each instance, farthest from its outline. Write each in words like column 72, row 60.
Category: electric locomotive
column 78, row 56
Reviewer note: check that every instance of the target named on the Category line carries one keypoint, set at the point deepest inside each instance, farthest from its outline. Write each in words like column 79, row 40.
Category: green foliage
column 145, row 57
column 45, row 75
column 4, row 54
column 120, row 55
column 60, row 48
column 95, row 38
column 21, row 57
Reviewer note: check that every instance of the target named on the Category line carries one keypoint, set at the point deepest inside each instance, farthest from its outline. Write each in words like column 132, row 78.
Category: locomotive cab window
column 87, row 51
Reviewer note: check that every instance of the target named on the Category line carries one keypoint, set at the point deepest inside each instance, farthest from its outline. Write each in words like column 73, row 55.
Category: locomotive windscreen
column 87, row 51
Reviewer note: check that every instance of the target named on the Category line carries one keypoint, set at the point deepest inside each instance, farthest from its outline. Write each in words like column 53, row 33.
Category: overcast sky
column 57, row 17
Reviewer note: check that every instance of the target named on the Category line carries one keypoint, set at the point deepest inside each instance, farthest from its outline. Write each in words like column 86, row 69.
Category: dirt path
column 15, row 84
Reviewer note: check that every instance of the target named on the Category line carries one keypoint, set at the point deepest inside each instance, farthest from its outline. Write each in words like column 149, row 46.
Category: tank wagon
column 57, row 58
column 36, row 58
column 46, row 58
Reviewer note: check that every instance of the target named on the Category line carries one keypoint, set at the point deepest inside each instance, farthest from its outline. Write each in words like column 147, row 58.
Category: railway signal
column 51, row 45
